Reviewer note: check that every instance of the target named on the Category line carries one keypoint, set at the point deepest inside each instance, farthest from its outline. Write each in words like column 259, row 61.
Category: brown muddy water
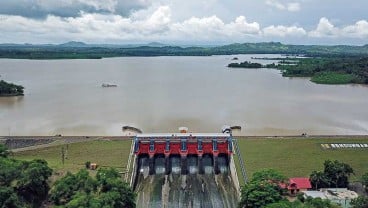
column 159, row 94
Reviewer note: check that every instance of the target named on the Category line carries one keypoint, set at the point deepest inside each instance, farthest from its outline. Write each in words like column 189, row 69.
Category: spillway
column 185, row 170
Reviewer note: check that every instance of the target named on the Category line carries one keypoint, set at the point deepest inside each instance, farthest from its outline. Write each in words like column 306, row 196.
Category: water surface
column 159, row 94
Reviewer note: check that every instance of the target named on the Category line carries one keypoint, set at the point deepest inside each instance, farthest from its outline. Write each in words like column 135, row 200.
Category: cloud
column 326, row 29
column 291, row 7
column 358, row 30
column 69, row 8
column 214, row 28
column 156, row 24
column 283, row 31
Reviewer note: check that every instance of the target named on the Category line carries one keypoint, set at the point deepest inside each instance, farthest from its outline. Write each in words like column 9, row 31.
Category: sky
column 202, row 22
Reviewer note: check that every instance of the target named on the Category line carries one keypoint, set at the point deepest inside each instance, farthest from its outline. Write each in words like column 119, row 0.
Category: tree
column 8, row 198
column 32, row 185
column 4, row 152
column 82, row 190
column 318, row 180
column 10, row 170
column 338, row 173
column 365, row 181
column 65, row 188
column 360, row 202
column 262, row 190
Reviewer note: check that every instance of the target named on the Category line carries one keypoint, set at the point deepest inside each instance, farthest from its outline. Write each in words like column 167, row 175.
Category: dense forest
column 10, row 89
column 329, row 70
column 27, row 184
column 322, row 70
column 85, row 51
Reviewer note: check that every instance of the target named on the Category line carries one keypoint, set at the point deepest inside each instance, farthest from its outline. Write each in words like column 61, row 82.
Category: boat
column 108, row 85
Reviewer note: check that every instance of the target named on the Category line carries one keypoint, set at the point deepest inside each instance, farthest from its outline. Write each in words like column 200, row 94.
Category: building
column 296, row 185
column 340, row 196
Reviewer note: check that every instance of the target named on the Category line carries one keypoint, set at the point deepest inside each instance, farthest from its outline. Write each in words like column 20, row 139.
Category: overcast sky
column 184, row 21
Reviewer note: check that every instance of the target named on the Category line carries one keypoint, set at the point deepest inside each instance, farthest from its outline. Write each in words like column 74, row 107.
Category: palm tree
column 318, row 179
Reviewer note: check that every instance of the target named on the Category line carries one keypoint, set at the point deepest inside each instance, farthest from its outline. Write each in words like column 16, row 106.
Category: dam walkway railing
column 241, row 161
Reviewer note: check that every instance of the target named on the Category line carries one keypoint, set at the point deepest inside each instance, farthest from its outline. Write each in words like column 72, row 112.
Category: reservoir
column 159, row 94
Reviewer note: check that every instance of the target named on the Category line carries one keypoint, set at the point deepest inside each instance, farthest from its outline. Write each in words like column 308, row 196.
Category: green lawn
column 104, row 153
column 298, row 157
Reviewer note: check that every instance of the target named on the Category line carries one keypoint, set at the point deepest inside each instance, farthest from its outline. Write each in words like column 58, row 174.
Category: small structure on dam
column 185, row 170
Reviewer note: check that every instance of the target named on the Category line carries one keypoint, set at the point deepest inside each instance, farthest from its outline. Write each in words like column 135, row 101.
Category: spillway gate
column 185, row 170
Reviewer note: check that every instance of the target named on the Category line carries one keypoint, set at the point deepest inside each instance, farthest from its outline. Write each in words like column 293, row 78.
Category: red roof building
column 296, row 185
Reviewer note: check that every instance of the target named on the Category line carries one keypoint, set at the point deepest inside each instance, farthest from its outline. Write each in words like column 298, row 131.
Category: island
column 250, row 65
column 10, row 89
column 321, row 70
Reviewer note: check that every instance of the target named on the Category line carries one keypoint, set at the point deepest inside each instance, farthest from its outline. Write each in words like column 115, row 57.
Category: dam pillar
column 151, row 164
column 184, row 165
column 167, row 165
column 200, row 165
column 216, row 165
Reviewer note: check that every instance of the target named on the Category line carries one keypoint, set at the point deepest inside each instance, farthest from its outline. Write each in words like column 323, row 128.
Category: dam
column 185, row 170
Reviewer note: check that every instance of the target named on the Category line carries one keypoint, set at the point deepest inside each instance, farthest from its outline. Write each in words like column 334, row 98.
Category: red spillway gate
column 184, row 145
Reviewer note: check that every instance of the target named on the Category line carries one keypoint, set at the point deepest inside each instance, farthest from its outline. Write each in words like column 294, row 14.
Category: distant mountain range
column 82, row 50
column 76, row 44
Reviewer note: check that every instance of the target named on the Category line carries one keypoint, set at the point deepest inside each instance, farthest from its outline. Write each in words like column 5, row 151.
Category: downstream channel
column 207, row 190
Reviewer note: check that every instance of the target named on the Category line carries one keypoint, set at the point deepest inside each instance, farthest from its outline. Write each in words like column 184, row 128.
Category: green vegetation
column 329, row 70
column 336, row 174
column 332, row 78
column 322, row 70
column 104, row 153
column 249, row 65
column 10, row 89
column 308, row 203
column 22, row 183
column 26, row 184
column 365, row 181
column 76, row 50
column 296, row 157
column 264, row 190
column 82, row 190
column 360, row 202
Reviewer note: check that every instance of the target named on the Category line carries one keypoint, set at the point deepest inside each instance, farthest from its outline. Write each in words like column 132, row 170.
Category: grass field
column 298, row 157
column 103, row 152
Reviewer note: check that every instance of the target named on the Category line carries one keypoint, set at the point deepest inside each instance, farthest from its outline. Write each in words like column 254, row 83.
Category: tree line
column 27, row 184
column 264, row 190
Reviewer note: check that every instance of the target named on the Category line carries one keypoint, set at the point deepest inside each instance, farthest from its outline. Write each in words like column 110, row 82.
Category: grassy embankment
column 294, row 157
column 298, row 157
column 104, row 153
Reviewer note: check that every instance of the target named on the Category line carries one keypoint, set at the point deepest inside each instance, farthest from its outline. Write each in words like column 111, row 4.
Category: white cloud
column 358, row 30
column 214, row 28
column 324, row 29
column 291, row 7
column 156, row 24
column 283, row 31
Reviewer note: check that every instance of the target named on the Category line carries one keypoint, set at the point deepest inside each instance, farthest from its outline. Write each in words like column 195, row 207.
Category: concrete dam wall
column 193, row 179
